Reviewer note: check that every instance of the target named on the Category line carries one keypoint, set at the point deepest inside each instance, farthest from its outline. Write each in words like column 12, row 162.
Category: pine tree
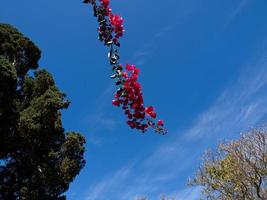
column 38, row 159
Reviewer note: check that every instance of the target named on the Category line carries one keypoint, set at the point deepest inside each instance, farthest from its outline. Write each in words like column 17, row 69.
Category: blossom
column 160, row 123
column 105, row 3
column 116, row 102
column 129, row 95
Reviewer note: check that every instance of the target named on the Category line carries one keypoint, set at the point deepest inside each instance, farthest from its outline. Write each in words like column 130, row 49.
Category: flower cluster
column 129, row 94
column 116, row 22
column 110, row 27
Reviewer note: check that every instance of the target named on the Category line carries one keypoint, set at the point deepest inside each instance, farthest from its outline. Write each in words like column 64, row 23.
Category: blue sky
column 203, row 66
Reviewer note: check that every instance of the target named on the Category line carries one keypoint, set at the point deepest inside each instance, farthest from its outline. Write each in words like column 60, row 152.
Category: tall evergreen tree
column 38, row 159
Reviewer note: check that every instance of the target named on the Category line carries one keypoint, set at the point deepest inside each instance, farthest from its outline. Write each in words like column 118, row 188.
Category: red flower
column 116, row 102
column 130, row 67
column 105, row 3
column 153, row 114
column 136, row 71
column 149, row 109
column 160, row 123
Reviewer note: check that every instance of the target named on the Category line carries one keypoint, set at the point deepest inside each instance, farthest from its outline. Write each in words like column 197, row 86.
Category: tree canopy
column 38, row 159
column 238, row 170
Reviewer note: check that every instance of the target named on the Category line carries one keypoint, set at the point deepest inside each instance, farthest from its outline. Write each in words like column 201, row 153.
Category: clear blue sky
column 203, row 66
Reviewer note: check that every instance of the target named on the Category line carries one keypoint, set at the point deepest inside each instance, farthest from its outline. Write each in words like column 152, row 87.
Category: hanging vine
column 129, row 95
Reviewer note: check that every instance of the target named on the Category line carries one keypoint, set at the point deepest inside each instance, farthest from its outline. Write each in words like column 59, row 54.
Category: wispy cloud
column 241, row 5
column 147, row 50
column 106, row 189
column 99, row 118
column 179, row 14
column 240, row 106
column 236, row 11
column 188, row 194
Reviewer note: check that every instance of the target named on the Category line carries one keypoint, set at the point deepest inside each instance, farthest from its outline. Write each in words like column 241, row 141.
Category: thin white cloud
column 242, row 4
column 187, row 194
column 104, row 189
column 236, row 11
column 240, row 106
column 181, row 12
column 147, row 50
column 98, row 118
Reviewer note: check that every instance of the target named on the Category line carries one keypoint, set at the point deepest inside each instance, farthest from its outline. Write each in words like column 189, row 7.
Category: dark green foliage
column 18, row 49
column 38, row 160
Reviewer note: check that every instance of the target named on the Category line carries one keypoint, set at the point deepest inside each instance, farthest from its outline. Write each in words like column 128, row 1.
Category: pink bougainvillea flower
column 105, row 3
column 116, row 102
column 130, row 67
column 129, row 96
column 149, row 109
column 160, row 123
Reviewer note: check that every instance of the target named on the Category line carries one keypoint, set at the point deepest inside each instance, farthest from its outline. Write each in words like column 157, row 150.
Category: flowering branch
column 129, row 95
